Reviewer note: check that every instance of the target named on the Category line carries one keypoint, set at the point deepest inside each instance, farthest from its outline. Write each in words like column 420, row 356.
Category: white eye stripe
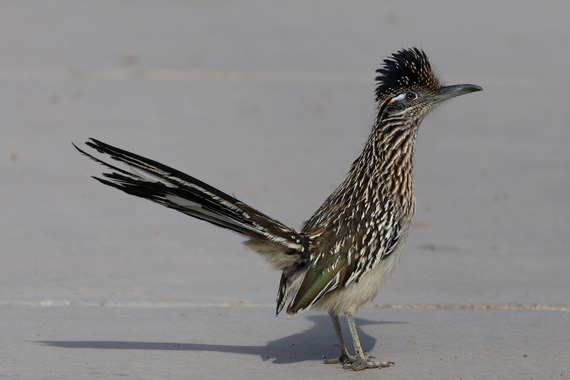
column 404, row 96
column 400, row 97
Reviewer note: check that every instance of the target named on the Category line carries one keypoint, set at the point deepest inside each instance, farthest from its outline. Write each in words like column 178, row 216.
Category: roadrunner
column 346, row 251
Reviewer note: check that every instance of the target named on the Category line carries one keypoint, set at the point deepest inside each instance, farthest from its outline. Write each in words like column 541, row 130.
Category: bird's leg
column 344, row 356
column 362, row 361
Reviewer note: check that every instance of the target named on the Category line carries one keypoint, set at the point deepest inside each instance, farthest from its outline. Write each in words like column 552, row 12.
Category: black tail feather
column 182, row 192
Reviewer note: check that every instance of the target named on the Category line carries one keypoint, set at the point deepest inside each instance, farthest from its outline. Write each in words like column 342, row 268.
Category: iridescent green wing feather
column 325, row 275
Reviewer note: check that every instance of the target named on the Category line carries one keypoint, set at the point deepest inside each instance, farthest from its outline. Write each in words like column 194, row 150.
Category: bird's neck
column 388, row 157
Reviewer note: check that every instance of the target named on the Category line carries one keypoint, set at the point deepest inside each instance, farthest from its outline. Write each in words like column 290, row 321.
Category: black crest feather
column 406, row 69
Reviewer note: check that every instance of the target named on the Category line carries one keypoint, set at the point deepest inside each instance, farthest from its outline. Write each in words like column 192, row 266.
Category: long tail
column 174, row 189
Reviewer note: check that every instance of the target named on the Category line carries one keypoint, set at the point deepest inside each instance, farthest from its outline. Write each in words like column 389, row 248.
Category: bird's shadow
column 312, row 344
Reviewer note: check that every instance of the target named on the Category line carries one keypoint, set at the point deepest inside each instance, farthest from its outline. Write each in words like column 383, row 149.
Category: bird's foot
column 365, row 363
column 342, row 359
column 357, row 363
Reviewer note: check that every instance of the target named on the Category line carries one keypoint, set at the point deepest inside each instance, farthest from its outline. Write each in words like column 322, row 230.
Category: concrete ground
column 272, row 101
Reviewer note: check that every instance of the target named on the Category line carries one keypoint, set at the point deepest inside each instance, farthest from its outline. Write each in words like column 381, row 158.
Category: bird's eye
column 411, row 96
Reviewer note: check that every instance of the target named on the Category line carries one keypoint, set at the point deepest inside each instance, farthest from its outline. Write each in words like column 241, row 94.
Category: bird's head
column 409, row 89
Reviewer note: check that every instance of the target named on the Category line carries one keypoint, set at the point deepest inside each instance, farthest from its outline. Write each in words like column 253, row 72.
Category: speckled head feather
column 408, row 69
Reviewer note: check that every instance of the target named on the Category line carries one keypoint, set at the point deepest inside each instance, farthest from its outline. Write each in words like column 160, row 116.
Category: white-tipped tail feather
column 172, row 188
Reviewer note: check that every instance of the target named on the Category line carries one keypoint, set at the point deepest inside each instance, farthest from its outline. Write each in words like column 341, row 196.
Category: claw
column 357, row 363
column 361, row 364
column 342, row 359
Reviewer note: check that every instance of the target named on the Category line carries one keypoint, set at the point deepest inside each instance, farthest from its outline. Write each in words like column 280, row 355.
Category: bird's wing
column 338, row 265
column 324, row 276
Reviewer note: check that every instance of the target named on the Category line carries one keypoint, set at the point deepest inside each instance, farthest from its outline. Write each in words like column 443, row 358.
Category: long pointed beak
column 448, row 92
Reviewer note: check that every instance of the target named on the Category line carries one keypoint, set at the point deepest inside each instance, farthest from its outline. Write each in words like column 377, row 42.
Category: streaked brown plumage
column 346, row 251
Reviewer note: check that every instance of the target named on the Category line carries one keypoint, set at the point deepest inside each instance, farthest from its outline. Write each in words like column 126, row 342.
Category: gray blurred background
column 271, row 101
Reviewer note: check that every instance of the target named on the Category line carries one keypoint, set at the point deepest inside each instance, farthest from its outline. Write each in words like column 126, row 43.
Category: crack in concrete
column 241, row 303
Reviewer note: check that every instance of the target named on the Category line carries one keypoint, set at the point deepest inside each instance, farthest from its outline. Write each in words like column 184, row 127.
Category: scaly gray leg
column 345, row 356
column 362, row 361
